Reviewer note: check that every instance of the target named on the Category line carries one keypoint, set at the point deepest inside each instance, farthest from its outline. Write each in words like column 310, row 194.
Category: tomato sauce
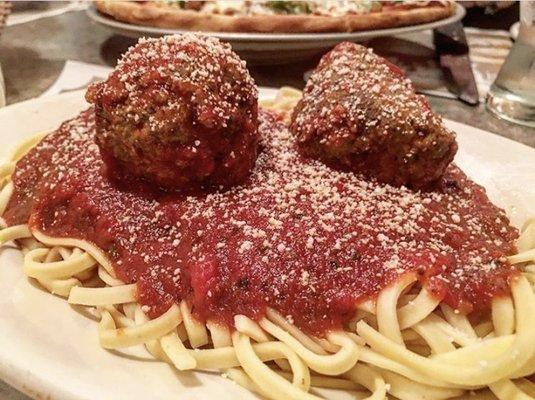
column 304, row 239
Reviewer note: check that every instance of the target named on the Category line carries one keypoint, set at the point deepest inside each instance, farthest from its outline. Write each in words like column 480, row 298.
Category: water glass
column 512, row 95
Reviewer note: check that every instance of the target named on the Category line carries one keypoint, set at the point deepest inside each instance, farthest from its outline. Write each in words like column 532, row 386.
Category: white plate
column 50, row 351
column 274, row 48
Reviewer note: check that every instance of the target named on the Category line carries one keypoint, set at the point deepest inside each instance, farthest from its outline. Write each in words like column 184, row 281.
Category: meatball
column 360, row 113
column 178, row 111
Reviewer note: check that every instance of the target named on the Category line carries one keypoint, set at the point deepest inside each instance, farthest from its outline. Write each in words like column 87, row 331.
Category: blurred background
column 44, row 41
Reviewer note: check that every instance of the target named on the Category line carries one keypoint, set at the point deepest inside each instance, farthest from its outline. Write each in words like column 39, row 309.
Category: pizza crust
column 398, row 18
column 148, row 14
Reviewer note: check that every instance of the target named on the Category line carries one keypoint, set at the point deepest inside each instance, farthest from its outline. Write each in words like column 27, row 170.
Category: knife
column 453, row 53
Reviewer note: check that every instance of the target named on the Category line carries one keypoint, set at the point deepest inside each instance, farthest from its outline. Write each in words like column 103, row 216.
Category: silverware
column 453, row 53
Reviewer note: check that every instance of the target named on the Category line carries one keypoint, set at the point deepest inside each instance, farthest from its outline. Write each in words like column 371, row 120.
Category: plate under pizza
column 295, row 277
column 273, row 47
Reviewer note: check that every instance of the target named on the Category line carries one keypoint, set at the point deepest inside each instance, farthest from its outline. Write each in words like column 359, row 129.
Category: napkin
column 77, row 75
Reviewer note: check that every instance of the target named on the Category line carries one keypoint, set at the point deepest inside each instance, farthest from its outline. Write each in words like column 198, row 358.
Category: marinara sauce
column 297, row 236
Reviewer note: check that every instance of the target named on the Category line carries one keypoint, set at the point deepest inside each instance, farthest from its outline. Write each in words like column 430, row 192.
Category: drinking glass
column 512, row 95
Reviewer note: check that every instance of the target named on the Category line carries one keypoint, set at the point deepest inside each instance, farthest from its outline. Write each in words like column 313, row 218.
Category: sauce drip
column 306, row 240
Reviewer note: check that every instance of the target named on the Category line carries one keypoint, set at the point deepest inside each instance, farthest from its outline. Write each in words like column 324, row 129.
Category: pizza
column 277, row 16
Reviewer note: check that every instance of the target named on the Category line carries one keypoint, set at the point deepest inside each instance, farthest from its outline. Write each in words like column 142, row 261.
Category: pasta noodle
column 406, row 344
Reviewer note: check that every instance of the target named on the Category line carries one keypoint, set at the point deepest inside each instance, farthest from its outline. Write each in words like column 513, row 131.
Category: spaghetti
column 407, row 341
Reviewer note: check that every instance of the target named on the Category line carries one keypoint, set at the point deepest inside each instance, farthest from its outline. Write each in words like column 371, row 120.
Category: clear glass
column 512, row 95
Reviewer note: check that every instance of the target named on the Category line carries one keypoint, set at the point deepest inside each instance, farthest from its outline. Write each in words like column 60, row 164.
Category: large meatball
column 360, row 113
column 180, row 111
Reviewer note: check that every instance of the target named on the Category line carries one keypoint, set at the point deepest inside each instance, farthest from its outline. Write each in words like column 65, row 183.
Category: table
column 33, row 54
